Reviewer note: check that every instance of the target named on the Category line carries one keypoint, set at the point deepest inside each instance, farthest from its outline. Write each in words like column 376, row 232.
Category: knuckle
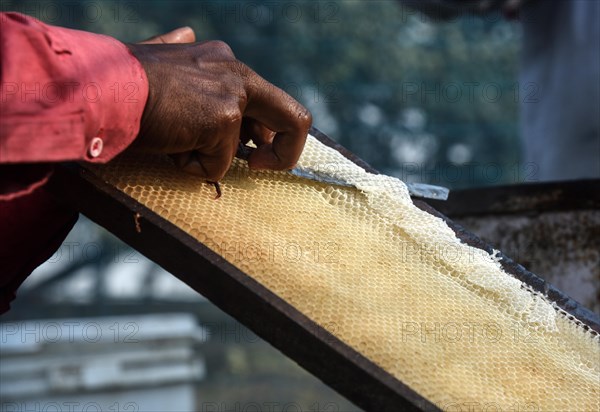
column 231, row 115
column 221, row 48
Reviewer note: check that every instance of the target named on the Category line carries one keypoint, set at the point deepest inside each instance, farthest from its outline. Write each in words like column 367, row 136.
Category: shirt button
column 96, row 147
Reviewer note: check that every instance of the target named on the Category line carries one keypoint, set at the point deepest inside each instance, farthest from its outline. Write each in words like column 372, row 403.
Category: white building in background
column 130, row 363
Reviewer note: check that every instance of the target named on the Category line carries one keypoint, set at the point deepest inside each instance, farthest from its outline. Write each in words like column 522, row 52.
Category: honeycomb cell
column 387, row 278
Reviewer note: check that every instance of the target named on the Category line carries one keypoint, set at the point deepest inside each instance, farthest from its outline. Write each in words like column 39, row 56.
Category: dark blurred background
column 421, row 100
column 418, row 99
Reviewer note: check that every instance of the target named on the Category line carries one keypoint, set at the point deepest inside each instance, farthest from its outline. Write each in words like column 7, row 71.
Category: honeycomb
column 388, row 279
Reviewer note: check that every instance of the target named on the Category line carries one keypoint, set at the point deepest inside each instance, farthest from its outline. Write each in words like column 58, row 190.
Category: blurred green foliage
column 422, row 100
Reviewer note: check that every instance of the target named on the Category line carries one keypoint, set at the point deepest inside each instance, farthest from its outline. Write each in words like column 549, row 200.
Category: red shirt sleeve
column 32, row 228
column 64, row 95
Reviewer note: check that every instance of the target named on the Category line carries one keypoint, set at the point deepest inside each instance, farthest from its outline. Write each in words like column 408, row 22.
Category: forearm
column 63, row 96
column 66, row 95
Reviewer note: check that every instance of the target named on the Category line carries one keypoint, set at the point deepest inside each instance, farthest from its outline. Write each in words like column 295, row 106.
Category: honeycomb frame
column 310, row 344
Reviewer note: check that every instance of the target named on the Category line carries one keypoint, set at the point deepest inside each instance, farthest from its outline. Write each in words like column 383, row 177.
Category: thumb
column 180, row 35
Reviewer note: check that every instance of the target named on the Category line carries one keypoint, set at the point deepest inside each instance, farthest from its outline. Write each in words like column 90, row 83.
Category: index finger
column 282, row 114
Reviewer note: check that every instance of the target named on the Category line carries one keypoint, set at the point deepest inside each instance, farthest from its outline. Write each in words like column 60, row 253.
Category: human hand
column 203, row 102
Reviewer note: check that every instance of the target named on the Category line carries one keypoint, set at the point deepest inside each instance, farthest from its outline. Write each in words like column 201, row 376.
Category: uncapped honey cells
column 388, row 279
